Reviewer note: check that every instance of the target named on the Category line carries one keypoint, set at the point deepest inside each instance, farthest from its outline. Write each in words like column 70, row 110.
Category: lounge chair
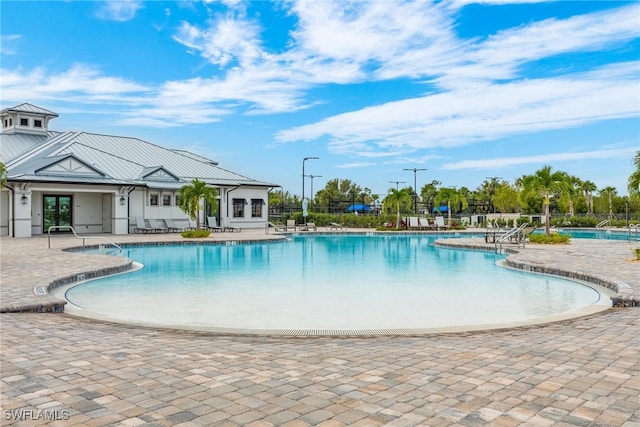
column 141, row 226
column 334, row 226
column 159, row 227
column 212, row 224
column 226, row 225
column 424, row 223
column 172, row 226
column 414, row 223
column 291, row 224
column 311, row 225
column 439, row 222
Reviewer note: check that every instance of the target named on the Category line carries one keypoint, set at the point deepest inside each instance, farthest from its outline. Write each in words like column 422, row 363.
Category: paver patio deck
column 579, row 372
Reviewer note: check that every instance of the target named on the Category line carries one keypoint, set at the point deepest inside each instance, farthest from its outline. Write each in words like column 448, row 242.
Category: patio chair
column 439, row 222
column 153, row 223
column 414, row 223
column 141, row 226
column 212, row 224
column 226, row 225
column 291, row 224
column 311, row 225
column 334, row 226
column 172, row 226
column 424, row 223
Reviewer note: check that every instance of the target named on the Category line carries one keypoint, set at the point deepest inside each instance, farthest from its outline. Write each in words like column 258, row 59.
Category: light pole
column 396, row 183
column 313, row 176
column 303, row 175
column 415, row 189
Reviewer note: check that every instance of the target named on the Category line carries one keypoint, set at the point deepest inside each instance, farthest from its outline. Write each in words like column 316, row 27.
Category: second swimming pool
column 327, row 282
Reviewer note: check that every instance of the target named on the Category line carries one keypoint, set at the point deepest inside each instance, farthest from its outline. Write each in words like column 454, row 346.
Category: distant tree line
column 544, row 192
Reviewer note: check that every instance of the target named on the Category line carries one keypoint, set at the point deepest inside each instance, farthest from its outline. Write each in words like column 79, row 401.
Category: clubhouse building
column 103, row 183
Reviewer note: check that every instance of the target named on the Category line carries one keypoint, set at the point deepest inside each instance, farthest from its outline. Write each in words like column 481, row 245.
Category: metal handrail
column 637, row 231
column 77, row 236
column 603, row 222
column 512, row 232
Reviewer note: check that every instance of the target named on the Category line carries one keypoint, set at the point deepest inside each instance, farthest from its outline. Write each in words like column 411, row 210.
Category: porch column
column 22, row 218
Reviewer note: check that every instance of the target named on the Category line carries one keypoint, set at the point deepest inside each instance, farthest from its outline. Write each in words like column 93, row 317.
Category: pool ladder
column 636, row 231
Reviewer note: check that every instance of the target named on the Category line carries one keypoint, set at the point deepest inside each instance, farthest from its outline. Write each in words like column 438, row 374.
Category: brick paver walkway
column 580, row 372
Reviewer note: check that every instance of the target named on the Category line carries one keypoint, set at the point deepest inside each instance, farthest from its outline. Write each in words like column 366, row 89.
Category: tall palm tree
column 588, row 187
column 544, row 183
column 633, row 184
column 572, row 187
column 396, row 199
column 451, row 196
column 190, row 196
column 609, row 193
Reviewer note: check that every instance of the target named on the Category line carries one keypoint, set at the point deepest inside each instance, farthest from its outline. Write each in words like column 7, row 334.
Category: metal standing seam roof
column 29, row 108
column 126, row 159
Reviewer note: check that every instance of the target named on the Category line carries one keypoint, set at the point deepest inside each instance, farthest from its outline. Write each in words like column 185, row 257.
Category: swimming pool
column 595, row 233
column 328, row 283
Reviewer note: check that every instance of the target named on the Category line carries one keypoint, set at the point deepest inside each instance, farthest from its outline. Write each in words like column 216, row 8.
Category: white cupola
column 26, row 118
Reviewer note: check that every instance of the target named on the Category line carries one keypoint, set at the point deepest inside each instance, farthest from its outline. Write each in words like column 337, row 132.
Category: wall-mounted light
column 123, row 201
column 24, row 199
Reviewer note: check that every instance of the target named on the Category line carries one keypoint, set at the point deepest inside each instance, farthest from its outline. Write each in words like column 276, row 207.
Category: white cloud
column 480, row 113
column 118, row 10
column 505, row 162
column 81, row 83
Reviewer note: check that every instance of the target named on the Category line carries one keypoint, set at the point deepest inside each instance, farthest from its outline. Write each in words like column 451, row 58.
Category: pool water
column 327, row 282
column 592, row 233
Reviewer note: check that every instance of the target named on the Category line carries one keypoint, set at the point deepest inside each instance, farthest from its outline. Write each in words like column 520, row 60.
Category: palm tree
column 3, row 175
column 633, row 185
column 589, row 187
column 572, row 187
column 544, row 183
column 396, row 199
column 609, row 193
column 190, row 196
column 451, row 196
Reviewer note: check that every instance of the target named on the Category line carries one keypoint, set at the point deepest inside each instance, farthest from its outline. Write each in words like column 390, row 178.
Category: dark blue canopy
column 444, row 208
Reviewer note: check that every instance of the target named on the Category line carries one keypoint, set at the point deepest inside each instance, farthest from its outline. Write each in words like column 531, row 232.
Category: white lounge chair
column 334, row 226
column 157, row 226
column 226, row 225
column 311, row 226
column 414, row 223
column 212, row 224
column 291, row 224
column 141, row 226
column 172, row 226
column 439, row 222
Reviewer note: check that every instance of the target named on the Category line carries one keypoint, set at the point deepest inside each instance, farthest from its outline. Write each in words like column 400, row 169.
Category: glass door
column 57, row 211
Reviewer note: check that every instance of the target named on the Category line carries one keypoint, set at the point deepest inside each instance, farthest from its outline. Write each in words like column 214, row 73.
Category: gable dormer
column 157, row 173
column 68, row 165
column 26, row 118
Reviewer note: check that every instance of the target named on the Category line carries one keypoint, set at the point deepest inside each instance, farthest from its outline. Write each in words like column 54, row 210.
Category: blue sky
column 465, row 89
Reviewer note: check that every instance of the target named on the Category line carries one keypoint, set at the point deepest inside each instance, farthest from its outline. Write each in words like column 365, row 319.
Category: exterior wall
column 95, row 206
column 246, row 193
column 87, row 212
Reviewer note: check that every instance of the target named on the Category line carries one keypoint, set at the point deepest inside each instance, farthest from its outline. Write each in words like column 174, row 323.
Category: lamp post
column 415, row 189
column 303, row 175
column 396, row 183
column 313, row 176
